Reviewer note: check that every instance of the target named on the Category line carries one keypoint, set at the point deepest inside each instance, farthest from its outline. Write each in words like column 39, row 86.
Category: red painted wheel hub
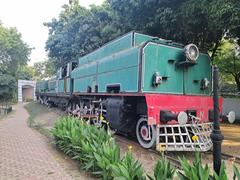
column 144, row 132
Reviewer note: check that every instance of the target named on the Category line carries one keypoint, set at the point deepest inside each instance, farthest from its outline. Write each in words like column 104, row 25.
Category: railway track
column 175, row 162
column 232, row 158
column 228, row 157
column 169, row 155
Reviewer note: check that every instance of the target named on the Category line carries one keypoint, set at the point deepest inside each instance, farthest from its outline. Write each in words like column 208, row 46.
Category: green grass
column 35, row 109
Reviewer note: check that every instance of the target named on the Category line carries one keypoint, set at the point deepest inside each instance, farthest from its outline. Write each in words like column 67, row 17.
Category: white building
column 26, row 90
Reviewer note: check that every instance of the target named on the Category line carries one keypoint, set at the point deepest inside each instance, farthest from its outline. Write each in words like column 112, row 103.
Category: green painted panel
column 156, row 59
column 119, row 68
column 114, row 46
column 117, row 45
column 81, row 84
column 85, row 70
column 140, row 38
column 118, row 61
column 52, row 84
column 68, row 85
column 42, row 86
column 195, row 74
column 61, row 85
column 127, row 79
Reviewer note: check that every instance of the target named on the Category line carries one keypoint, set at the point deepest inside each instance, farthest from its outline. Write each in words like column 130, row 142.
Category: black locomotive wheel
column 146, row 135
column 69, row 108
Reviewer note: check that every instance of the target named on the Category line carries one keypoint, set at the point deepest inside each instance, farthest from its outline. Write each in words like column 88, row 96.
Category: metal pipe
column 216, row 135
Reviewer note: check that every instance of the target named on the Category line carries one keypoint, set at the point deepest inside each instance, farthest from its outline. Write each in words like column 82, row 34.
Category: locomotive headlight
column 182, row 118
column 191, row 52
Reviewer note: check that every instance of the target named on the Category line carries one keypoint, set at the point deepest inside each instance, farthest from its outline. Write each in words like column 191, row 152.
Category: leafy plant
column 128, row 169
column 163, row 170
column 236, row 173
column 108, row 155
column 222, row 174
column 93, row 147
column 195, row 171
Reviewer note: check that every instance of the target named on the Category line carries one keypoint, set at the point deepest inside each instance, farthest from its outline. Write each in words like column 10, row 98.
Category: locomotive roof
column 125, row 41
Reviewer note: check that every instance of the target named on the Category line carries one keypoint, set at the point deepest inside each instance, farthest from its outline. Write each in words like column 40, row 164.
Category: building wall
column 21, row 89
column 232, row 104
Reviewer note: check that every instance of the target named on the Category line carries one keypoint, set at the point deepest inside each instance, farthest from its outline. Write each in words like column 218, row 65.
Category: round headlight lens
column 191, row 52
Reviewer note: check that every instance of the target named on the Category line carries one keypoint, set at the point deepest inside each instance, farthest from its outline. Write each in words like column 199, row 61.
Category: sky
column 28, row 17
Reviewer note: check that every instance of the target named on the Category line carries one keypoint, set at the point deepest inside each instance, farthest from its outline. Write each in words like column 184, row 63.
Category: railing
column 5, row 109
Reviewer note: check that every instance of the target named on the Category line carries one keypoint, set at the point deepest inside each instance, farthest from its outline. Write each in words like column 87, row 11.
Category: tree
column 13, row 51
column 79, row 31
column 228, row 60
column 13, row 54
column 25, row 72
column 43, row 69
column 202, row 22
column 8, row 86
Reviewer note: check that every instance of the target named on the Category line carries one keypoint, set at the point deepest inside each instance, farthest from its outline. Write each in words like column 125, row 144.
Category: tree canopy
column 206, row 23
column 14, row 53
column 79, row 31
column 228, row 60
column 43, row 69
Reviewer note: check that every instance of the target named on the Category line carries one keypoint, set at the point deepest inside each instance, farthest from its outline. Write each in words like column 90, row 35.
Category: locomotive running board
column 188, row 137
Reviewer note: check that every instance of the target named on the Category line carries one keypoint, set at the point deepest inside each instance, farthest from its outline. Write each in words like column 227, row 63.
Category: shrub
column 236, row 173
column 222, row 174
column 82, row 142
column 163, row 170
column 107, row 156
column 95, row 149
column 128, row 169
column 98, row 153
column 195, row 171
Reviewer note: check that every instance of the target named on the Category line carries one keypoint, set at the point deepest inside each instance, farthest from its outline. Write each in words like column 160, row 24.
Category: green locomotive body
column 129, row 64
column 154, row 88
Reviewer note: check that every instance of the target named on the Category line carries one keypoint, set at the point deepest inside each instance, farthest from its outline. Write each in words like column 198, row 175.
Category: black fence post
column 216, row 135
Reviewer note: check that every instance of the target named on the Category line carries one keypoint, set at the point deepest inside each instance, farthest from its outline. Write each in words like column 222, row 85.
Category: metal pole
column 216, row 135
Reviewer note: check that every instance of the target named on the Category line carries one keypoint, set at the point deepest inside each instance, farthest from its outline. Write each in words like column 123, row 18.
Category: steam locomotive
column 154, row 89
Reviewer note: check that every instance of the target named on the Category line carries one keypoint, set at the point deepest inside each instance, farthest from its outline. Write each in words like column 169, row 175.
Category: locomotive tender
column 141, row 85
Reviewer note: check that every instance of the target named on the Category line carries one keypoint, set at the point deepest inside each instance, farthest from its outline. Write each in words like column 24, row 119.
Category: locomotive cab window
column 64, row 71
column 74, row 65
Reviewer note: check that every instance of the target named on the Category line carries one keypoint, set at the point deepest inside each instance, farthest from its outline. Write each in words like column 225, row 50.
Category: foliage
column 236, row 173
column 25, row 72
column 98, row 153
column 43, row 69
column 13, row 54
column 92, row 147
column 13, row 51
column 195, row 171
column 222, row 174
column 128, row 169
column 228, row 60
column 79, row 31
column 76, row 33
column 108, row 155
column 163, row 170
column 7, row 87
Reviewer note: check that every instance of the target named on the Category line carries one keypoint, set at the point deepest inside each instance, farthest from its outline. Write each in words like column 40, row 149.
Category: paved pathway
column 24, row 154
